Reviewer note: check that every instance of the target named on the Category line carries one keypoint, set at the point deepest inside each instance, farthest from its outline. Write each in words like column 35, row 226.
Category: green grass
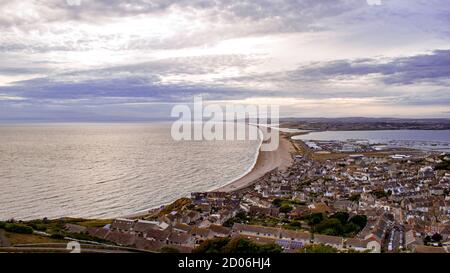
column 17, row 238
column 95, row 223
column 56, row 228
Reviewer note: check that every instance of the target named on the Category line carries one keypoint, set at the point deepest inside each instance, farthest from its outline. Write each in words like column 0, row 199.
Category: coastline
column 266, row 161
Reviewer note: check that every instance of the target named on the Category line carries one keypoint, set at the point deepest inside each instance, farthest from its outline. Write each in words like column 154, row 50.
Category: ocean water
column 108, row 170
column 438, row 140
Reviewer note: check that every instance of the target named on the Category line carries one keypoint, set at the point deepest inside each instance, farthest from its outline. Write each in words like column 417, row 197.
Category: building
column 292, row 240
column 333, row 241
column 257, row 231
column 369, row 245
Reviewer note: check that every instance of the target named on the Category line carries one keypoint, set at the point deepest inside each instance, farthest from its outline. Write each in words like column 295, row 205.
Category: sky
column 111, row 60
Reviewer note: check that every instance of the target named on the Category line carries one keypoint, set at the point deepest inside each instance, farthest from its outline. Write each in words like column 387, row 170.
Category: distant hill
column 363, row 123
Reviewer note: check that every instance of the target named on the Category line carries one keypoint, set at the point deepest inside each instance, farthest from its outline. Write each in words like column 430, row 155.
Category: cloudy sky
column 133, row 60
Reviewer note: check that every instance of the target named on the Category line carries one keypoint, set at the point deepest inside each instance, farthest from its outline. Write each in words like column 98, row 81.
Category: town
column 339, row 201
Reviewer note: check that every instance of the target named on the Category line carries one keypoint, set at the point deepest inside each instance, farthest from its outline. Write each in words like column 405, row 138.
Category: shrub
column 437, row 237
column 168, row 249
column 359, row 220
column 444, row 165
column 57, row 236
column 321, row 248
column 331, row 226
column 18, row 228
column 341, row 216
column 314, row 219
column 277, row 202
column 285, row 208
column 294, row 225
column 236, row 245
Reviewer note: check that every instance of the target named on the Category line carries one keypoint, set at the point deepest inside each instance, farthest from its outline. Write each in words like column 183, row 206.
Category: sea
column 428, row 140
column 108, row 170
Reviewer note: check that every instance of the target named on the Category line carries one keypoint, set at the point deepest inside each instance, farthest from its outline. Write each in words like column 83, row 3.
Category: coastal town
column 332, row 197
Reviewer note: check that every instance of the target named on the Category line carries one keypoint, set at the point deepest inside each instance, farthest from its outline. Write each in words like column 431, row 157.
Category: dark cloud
column 144, row 80
column 433, row 67
column 136, row 89
column 22, row 70
column 141, row 81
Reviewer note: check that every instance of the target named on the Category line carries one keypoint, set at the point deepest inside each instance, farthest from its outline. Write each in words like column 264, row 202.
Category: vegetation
column 16, row 228
column 314, row 218
column 294, row 225
column 444, row 165
column 381, row 193
column 286, row 208
column 359, row 220
column 268, row 221
column 94, row 222
column 279, row 202
column 55, row 228
column 178, row 205
column 351, row 250
column 168, row 249
column 435, row 238
column 17, row 238
column 337, row 224
column 84, row 236
column 355, row 197
column 57, row 225
column 236, row 246
column 321, row 248
column 243, row 218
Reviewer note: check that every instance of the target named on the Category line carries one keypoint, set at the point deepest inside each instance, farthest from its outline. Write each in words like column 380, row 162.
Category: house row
column 292, row 240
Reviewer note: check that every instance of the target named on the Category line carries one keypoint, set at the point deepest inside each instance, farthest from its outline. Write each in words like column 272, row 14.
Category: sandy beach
column 266, row 162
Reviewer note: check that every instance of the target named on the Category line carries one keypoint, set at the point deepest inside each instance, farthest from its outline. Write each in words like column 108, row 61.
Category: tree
column 437, row 237
column 277, row 202
column 342, row 216
column 381, row 193
column 18, row 228
column 285, row 208
column 315, row 218
column 359, row 220
column 444, row 165
column 295, row 225
column 236, row 245
column 350, row 228
column 331, row 226
column 240, row 217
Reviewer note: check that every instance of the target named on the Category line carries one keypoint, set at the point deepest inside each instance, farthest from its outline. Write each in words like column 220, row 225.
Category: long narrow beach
column 267, row 161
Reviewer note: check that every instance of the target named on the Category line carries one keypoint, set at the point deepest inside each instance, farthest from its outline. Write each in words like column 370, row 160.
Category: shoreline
column 266, row 162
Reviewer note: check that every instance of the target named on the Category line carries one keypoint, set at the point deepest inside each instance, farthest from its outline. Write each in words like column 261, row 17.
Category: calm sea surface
column 108, row 170
column 421, row 139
